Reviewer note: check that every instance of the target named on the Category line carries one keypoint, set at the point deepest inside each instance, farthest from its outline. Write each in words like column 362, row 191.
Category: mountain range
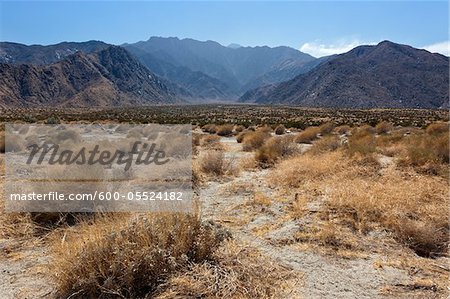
column 171, row 70
column 109, row 77
column 386, row 75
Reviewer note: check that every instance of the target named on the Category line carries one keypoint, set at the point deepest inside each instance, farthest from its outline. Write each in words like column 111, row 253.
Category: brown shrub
column 210, row 141
column 325, row 144
column 362, row 141
column 129, row 256
column 274, row 149
column 254, row 140
column 437, row 128
column 280, row 130
column 384, row 127
column 341, row 130
column 235, row 272
column 210, row 128
column 326, row 128
column 224, row 130
column 15, row 143
column 308, row 135
column 239, row 128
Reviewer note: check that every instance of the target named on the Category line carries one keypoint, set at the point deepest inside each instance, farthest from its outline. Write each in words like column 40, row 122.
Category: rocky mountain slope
column 386, row 75
column 109, row 77
column 211, row 70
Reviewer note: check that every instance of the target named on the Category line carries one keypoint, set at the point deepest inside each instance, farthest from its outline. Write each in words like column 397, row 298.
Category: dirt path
column 323, row 276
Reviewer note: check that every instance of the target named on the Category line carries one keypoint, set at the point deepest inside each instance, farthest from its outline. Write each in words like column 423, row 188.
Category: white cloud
column 318, row 49
column 442, row 48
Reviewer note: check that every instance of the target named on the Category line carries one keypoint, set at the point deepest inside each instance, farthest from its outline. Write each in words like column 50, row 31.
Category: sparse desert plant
column 210, row 141
column 210, row 128
column 224, row 130
column 65, row 135
column 239, row 128
column 274, row 149
column 254, row 140
column 260, row 199
column 308, row 135
column 325, row 144
column 384, row 127
column 362, row 141
column 341, row 130
column 52, row 120
column 280, row 130
column 235, row 272
column 212, row 162
column 326, row 128
column 135, row 133
column 14, row 143
column 437, row 128
column 129, row 255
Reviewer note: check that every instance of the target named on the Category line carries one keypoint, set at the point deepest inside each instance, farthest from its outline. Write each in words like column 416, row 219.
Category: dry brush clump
column 326, row 144
column 235, row 272
column 384, row 127
column 254, row 140
column 214, row 162
column 129, row 256
column 308, row 135
column 224, row 130
column 274, row 149
column 414, row 208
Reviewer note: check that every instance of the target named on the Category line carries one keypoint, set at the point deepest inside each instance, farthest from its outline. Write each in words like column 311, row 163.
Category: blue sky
column 319, row 28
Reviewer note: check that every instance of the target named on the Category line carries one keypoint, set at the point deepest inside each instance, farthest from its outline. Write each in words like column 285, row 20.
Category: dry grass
column 210, row 128
column 274, row 149
column 236, row 272
column 384, row 127
column 213, row 162
column 437, row 128
column 308, row 135
column 254, row 140
column 225, row 130
column 260, row 199
column 326, row 128
column 341, row 130
column 362, row 141
column 129, row 256
column 414, row 208
column 325, row 144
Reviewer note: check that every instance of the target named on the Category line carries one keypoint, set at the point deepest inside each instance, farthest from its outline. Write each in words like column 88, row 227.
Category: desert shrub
column 326, row 128
column 210, row 141
column 235, row 272
column 209, row 128
column 383, row 127
column 325, row 144
column 280, row 130
column 224, row 130
column 129, row 256
column 264, row 129
column 274, row 149
column 254, row 140
column 430, row 153
column 437, row 128
column 362, row 141
column 196, row 138
column 411, row 207
column 308, row 135
column 239, row 128
column 240, row 137
column 212, row 162
column 52, row 120
column 341, row 130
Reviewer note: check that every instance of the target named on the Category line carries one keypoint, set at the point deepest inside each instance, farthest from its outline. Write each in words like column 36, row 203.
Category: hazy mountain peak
column 234, row 46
